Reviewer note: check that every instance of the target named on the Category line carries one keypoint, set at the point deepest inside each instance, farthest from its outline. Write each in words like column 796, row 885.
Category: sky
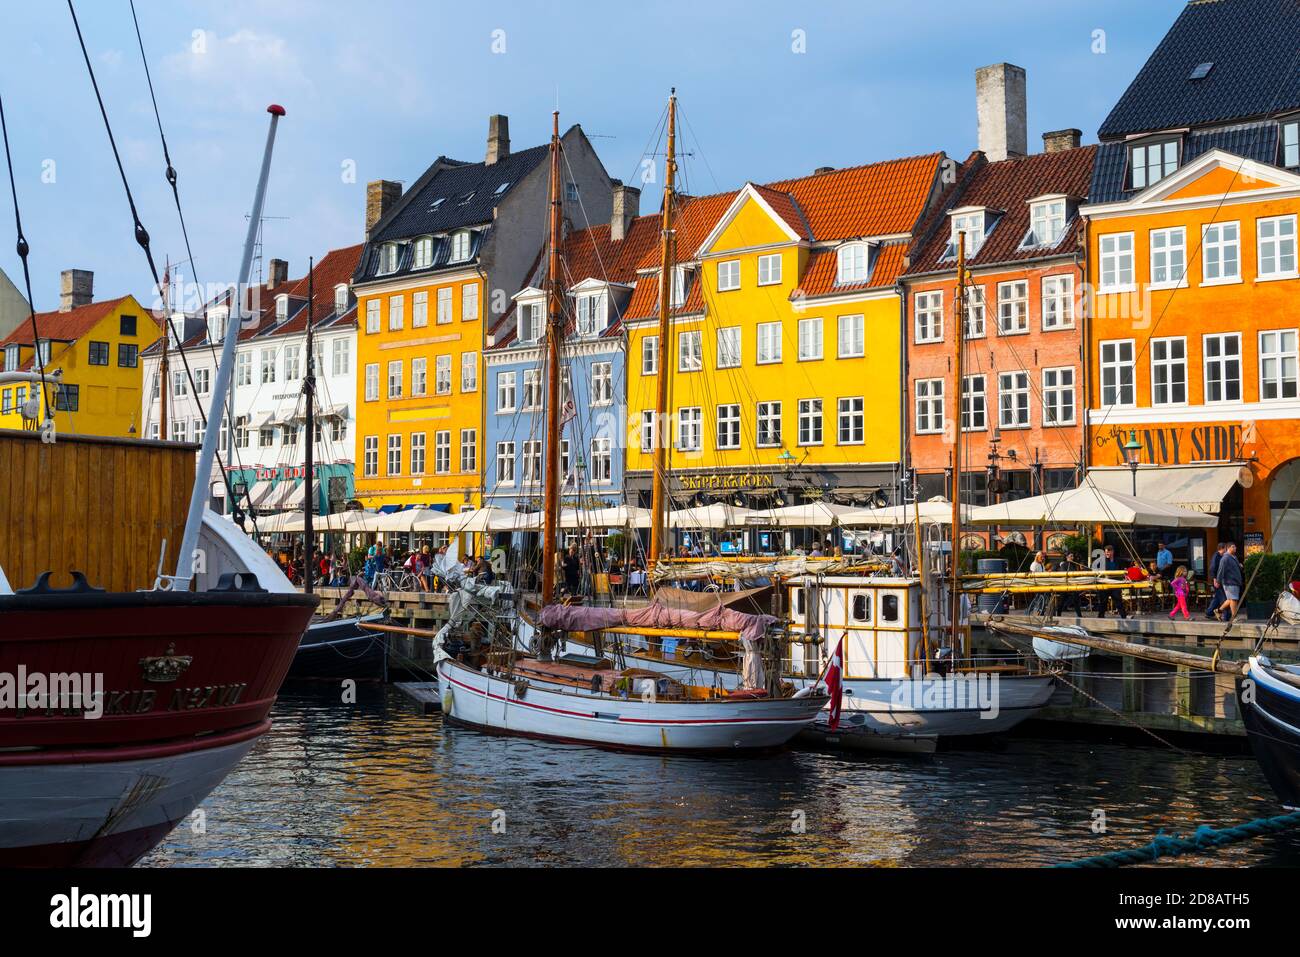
column 380, row 89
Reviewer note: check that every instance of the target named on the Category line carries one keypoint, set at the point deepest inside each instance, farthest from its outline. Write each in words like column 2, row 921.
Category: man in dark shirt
column 1231, row 581
column 1216, row 598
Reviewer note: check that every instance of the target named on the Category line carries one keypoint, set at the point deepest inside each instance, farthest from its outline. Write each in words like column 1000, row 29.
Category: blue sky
column 385, row 86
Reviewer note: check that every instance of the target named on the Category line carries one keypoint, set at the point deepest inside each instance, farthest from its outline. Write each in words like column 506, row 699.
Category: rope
column 1204, row 839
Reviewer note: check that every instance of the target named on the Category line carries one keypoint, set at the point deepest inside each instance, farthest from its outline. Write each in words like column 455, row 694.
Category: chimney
column 278, row 274
column 823, row 170
column 1058, row 140
column 76, row 289
column 627, row 205
column 1000, row 108
column 380, row 197
column 498, row 145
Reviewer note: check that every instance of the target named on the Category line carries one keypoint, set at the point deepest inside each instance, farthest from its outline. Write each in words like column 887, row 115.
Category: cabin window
column 861, row 607
column 799, row 600
column 889, row 608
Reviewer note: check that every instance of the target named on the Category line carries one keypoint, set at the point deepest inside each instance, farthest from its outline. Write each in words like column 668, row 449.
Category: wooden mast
column 309, row 465
column 960, row 336
column 659, row 477
column 554, row 333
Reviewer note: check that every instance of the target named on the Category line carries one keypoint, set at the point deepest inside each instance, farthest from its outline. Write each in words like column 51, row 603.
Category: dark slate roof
column 1253, row 141
column 1253, row 46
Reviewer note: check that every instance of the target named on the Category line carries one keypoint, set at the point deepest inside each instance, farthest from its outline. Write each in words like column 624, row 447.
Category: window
column 529, row 323
column 678, row 292
column 98, row 353
column 394, row 455
column 1116, row 261
column 929, row 406
column 852, row 421
column 1013, row 307
column 370, row 457
column 970, row 227
column 1117, row 372
column 180, row 384
column 602, row 461
column 689, row 430
column 505, row 463
column 889, row 608
column 265, row 438
column 156, row 390
column 1289, row 137
column 289, row 435
column 861, row 607
column 1221, row 253
column 202, row 381
column 591, row 314
column 68, row 399
column 532, row 461
column 810, row 421
column 769, row 269
column 602, row 383
column 929, row 316
column 975, row 312
column 1223, row 367
column 1169, row 371
column 648, row 431
column 852, row 341
column 126, row 325
column 1058, row 302
column 281, row 307
column 769, row 342
column 729, row 347
column 728, row 275
column 128, row 355
column 469, row 302
column 690, row 356
column 974, row 403
column 505, row 391
column 419, row 376
column 1168, row 256
column 442, row 375
column 341, row 298
column 395, row 379
column 728, row 427
column 6, row 401
column 469, row 372
column 851, row 263
column 372, row 382
column 292, row 362
column 1152, row 162
column 372, row 316
column 43, row 351
column 417, row 453
column 650, row 355
column 810, row 339
column 460, row 246
column 1046, row 223
column 178, row 430
column 532, row 390
column 442, row 452
column 241, row 432
column 1058, row 396
column 419, row 310
column 444, row 305
column 469, row 450
column 388, row 258
column 1276, row 247
column 769, row 424
column 1277, row 364
column 267, row 357
column 338, row 429
column 1013, row 400
column 422, row 258
column 340, row 357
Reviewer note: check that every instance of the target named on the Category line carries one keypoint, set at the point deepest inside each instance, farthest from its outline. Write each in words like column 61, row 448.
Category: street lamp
column 1132, row 448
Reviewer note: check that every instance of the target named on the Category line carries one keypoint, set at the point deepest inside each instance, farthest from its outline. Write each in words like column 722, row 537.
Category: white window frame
column 1224, row 360
column 1047, row 220
column 1056, row 305
column 928, row 408
column 506, row 463
column 728, row 275
column 444, row 306
column 768, row 349
column 927, row 308
column 1139, row 158
column 370, row 457
column 976, row 412
column 396, row 313
column 419, row 376
column 851, row 331
column 442, row 374
column 810, row 423
column 1279, row 366
column 1215, row 249
column 422, row 253
column 769, row 269
column 650, row 355
column 1054, row 392
column 1170, row 368
column 460, row 246
column 1168, row 253
column 852, row 263
column 372, row 316
column 442, row 452
column 469, row 372
column 1014, row 384
column 727, row 433
column 851, row 413
column 690, row 351
column 1013, row 307
column 768, row 413
column 372, row 382
column 1116, row 271
column 1116, row 365
column 1274, row 247
column 728, row 346
column 394, row 459
column 812, row 340
column 420, row 309
column 528, row 320
column 602, row 383
column 396, row 378
column 507, row 388
column 469, row 309
column 690, row 429
column 340, row 356
column 602, row 460
column 418, row 449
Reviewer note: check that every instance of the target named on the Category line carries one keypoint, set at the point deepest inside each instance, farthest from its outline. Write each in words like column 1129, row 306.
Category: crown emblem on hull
column 164, row 668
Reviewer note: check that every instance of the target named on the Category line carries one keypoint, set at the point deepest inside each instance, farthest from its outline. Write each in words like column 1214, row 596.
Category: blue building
column 600, row 274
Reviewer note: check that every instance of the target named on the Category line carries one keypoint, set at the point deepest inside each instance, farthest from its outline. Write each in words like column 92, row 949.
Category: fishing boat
column 339, row 649
column 173, row 684
column 488, row 683
column 1268, row 697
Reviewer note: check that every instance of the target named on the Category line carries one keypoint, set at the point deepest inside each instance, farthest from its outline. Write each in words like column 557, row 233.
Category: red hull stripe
column 137, row 753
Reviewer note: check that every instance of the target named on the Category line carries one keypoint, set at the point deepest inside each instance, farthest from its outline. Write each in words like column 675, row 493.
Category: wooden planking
column 97, row 505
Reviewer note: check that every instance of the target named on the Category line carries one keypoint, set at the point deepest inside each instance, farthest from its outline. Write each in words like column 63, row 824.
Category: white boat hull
column 555, row 713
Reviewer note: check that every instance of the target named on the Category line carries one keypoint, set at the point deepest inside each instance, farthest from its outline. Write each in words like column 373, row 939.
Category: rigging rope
column 1205, row 839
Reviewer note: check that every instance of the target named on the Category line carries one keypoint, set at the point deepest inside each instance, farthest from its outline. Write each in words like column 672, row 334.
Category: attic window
column 970, row 225
column 1151, row 162
column 591, row 313
column 501, row 189
column 466, row 198
column 281, row 307
column 423, row 253
column 851, row 263
column 341, row 298
column 1201, row 71
column 460, row 246
column 1046, row 223
column 529, row 323
column 436, row 203
column 1290, row 142
column 388, row 258
column 11, row 358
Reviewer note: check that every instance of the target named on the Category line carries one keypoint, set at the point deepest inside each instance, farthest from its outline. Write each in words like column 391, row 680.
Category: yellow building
column 96, row 346
column 786, row 355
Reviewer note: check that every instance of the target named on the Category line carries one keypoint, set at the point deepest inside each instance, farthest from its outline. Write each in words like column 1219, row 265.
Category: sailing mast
column 309, row 394
column 658, row 496
column 554, row 333
column 163, row 366
column 960, row 335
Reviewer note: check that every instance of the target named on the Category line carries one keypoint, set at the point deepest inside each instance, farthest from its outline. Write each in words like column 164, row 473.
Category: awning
column 1198, row 487
column 257, row 494
column 339, row 411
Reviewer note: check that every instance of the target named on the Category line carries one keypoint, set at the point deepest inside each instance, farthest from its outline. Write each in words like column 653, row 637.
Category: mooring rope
column 1205, row 839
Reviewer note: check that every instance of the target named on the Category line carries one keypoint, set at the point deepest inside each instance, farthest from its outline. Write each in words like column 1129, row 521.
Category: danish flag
column 834, row 672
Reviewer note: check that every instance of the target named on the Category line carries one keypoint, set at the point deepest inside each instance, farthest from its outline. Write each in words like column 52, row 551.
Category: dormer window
column 11, row 358
column 423, row 257
column 529, row 324
column 43, row 350
column 970, row 226
column 591, row 314
column 388, row 258
column 460, row 246
column 341, row 298
column 217, row 323
column 678, row 295
column 1151, row 162
column 851, row 263
column 1047, row 219
column 1289, row 143
column 281, row 307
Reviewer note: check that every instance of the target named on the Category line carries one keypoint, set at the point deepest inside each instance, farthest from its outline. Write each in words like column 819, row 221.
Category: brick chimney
column 823, row 170
column 1058, row 140
column 498, row 144
column 380, row 197
column 76, row 289
column 1000, row 109
column 627, row 206
column 277, row 274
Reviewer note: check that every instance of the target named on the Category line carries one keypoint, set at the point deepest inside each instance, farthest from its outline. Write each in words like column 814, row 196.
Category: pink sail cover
column 719, row 618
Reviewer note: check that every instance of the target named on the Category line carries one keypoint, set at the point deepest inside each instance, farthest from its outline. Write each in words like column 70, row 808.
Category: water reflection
column 377, row 784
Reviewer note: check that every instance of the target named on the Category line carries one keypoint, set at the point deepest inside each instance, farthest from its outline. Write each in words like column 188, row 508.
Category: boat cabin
column 879, row 619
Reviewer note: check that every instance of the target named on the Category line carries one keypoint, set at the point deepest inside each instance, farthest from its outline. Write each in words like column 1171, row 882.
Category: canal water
column 376, row 783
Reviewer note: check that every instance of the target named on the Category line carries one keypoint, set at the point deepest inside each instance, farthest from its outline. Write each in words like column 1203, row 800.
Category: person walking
column 1181, row 587
column 1231, row 580
column 1216, row 596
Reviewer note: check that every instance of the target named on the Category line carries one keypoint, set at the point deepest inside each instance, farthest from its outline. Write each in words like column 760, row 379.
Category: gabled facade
column 438, row 270
column 785, row 354
column 97, row 345
column 1192, row 256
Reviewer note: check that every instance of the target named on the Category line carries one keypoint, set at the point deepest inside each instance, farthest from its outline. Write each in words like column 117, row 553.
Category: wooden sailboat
column 487, row 683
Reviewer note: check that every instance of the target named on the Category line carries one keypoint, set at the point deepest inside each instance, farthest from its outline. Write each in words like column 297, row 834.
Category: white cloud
column 242, row 70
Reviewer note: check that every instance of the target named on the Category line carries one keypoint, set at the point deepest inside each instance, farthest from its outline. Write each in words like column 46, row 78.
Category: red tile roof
column 785, row 206
column 823, row 268
column 66, row 326
column 334, row 268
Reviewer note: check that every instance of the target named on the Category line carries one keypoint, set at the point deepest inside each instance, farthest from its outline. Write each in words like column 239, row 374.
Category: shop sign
column 1177, row 445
